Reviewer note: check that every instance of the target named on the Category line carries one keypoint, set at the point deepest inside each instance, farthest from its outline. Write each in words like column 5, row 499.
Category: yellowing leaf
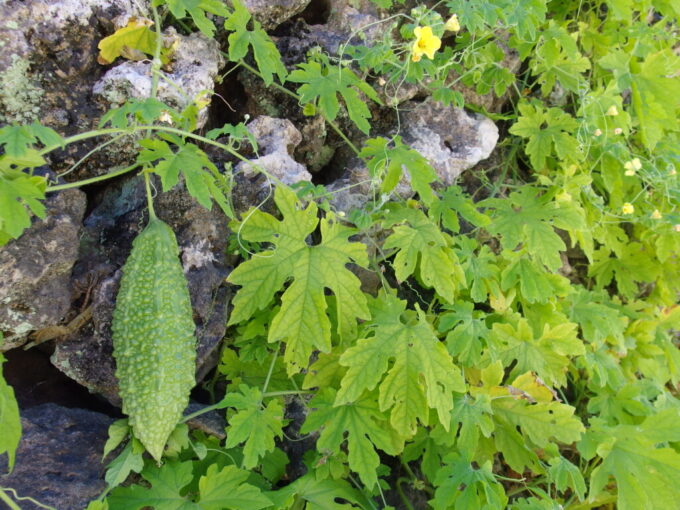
column 532, row 385
column 128, row 41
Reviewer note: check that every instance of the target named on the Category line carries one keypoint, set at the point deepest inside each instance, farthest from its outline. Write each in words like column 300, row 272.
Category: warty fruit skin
column 153, row 337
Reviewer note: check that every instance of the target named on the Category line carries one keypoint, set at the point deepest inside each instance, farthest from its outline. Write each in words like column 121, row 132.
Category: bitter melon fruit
column 153, row 337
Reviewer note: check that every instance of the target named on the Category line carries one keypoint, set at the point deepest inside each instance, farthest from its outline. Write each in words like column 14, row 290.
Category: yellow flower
column 656, row 215
column 426, row 43
column 612, row 112
column 452, row 24
column 632, row 166
column 618, row 131
column 598, row 132
column 627, row 208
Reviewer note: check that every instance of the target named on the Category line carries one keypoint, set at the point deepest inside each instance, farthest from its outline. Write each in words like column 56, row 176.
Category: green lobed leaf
column 227, row 489
column 387, row 159
column 364, row 426
column 422, row 375
column 265, row 52
column 302, row 321
column 423, row 249
column 254, row 424
column 321, row 84
column 460, row 485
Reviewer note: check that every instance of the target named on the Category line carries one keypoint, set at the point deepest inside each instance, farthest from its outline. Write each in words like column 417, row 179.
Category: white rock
column 276, row 140
column 195, row 64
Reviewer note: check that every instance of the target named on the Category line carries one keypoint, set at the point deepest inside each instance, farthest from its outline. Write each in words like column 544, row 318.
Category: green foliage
column 386, row 160
column 197, row 9
column 322, row 82
column 202, row 178
column 511, row 341
column 422, row 247
column 264, row 50
column 218, row 489
column 364, row 426
column 421, row 377
column 10, row 424
column 549, row 132
column 302, row 322
column 253, row 423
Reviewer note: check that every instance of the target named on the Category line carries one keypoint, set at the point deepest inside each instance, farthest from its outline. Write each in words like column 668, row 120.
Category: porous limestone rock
column 271, row 13
column 276, row 140
column 195, row 64
column 48, row 64
column 451, row 139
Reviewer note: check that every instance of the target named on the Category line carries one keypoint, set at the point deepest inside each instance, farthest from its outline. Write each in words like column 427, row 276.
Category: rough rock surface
column 35, row 270
column 86, row 355
column 271, row 13
column 276, row 140
column 195, row 64
column 452, row 139
column 48, row 64
column 58, row 461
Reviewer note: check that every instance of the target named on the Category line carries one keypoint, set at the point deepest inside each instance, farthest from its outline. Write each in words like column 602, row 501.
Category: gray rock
column 452, row 139
column 359, row 20
column 195, row 64
column 86, row 356
column 58, row 461
column 276, row 140
column 35, row 270
column 48, row 64
column 271, row 13
column 212, row 423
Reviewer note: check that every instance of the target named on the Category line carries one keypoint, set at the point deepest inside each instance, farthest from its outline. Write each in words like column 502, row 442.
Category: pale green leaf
column 422, row 375
column 302, row 321
column 254, row 424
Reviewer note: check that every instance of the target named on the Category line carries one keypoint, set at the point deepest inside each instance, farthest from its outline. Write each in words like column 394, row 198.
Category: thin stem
column 3, row 495
column 270, row 372
column 133, row 129
column 92, row 180
column 96, row 149
column 400, row 491
column 156, row 65
column 604, row 500
column 206, row 409
column 284, row 393
column 149, row 195
column 8, row 501
column 83, row 136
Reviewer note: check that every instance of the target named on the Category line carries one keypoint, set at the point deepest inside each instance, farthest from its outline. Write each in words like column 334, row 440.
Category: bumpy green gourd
column 153, row 337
